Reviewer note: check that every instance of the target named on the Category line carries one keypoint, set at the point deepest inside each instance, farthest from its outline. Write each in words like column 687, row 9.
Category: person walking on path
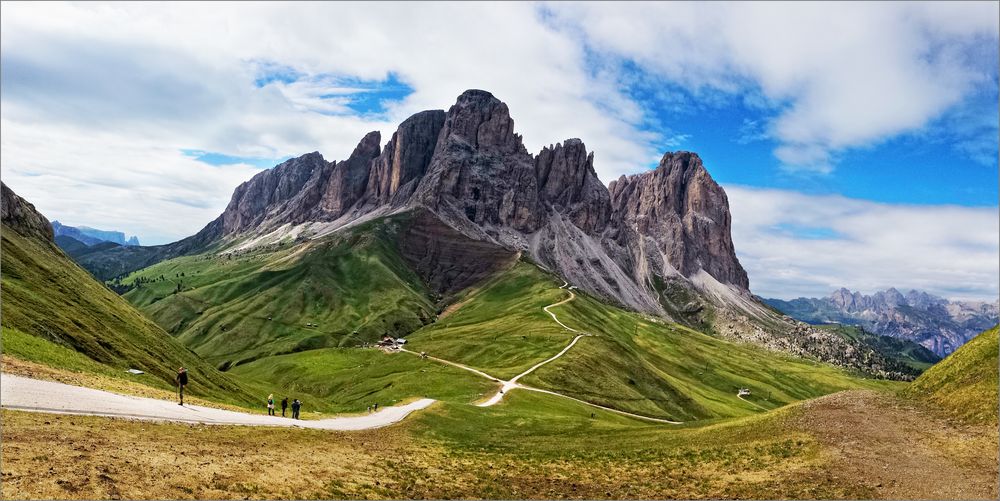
column 284, row 405
column 296, row 405
column 182, row 381
column 270, row 404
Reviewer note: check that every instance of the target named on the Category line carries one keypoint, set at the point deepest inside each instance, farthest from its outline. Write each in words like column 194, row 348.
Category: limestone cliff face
column 348, row 179
column 278, row 191
column 685, row 212
column 480, row 169
column 568, row 183
column 21, row 216
column 403, row 162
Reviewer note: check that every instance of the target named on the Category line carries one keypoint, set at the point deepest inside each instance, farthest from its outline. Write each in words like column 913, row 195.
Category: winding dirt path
column 507, row 386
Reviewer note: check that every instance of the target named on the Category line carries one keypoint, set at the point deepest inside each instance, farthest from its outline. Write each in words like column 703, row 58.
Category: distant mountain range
column 936, row 323
column 92, row 236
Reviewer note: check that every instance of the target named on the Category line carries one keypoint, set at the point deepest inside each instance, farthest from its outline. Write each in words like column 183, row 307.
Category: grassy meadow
column 238, row 307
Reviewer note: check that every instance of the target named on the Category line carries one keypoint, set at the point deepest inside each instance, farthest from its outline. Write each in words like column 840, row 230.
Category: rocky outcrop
column 348, row 179
column 21, row 216
column 59, row 229
column 936, row 323
column 291, row 189
column 480, row 170
column 444, row 258
column 680, row 208
column 403, row 162
column 568, row 183
column 92, row 236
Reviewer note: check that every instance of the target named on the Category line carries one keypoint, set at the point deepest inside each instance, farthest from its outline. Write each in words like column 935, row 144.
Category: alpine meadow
column 715, row 256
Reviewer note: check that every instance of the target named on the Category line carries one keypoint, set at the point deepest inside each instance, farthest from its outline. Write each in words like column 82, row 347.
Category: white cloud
column 842, row 75
column 795, row 245
column 181, row 76
column 99, row 99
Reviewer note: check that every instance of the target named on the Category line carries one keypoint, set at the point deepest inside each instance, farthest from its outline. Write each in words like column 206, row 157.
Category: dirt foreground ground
column 901, row 450
column 857, row 444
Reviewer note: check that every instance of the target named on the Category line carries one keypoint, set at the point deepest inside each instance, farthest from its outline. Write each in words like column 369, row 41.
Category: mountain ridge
column 938, row 324
column 93, row 236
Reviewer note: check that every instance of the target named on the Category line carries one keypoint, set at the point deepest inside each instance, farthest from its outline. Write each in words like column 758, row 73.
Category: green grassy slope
column 501, row 328
column 633, row 364
column 48, row 297
column 965, row 383
column 641, row 365
column 350, row 379
column 236, row 308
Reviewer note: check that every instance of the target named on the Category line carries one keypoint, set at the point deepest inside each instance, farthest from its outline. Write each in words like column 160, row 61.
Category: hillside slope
column 632, row 362
column 965, row 383
column 382, row 277
column 48, row 297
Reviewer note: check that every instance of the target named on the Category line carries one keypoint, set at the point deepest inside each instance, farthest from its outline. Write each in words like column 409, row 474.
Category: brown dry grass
column 78, row 457
column 900, row 449
column 850, row 445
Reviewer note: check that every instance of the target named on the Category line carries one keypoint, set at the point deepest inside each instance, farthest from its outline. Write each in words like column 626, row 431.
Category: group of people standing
column 182, row 381
column 296, row 405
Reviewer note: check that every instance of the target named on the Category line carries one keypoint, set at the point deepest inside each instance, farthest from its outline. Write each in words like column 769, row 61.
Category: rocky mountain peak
column 469, row 168
column 395, row 173
column 270, row 192
column 482, row 121
column 567, row 181
column 349, row 178
column 680, row 206
column 936, row 323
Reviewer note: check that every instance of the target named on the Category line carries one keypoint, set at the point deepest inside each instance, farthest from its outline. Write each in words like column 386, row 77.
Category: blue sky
column 883, row 115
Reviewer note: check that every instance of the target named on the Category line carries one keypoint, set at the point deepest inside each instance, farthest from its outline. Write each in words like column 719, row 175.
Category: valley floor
column 865, row 444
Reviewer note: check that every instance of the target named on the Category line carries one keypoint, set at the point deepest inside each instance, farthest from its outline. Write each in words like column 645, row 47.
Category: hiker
column 284, row 405
column 295, row 408
column 182, row 381
column 270, row 404
column 376, row 407
column 369, row 409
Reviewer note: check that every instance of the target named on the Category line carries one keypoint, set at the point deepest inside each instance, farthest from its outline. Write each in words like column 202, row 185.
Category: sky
column 857, row 142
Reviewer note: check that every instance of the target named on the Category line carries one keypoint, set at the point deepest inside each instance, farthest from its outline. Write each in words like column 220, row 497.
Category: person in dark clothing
column 296, row 405
column 284, row 405
column 375, row 407
column 182, row 381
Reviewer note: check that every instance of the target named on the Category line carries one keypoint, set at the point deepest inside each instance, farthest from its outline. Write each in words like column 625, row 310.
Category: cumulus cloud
column 187, row 77
column 798, row 245
column 101, row 101
column 841, row 75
